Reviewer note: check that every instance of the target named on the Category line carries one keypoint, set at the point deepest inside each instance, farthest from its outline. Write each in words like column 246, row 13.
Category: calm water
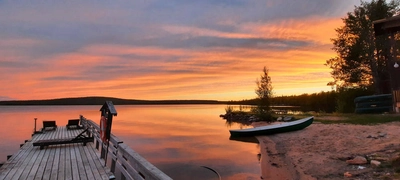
column 178, row 139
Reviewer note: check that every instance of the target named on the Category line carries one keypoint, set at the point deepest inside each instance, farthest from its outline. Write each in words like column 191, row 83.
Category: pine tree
column 264, row 94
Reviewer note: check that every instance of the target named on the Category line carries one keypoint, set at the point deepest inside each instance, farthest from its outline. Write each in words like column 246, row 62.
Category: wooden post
column 102, row 152
column 108, row 111
column 97, row 144
column 34, row 131
column 390, row 26
column 112, row 165
column 390, row 66
column 394, row 73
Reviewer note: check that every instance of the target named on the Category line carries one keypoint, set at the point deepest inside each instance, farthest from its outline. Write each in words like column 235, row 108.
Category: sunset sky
column 157, row 49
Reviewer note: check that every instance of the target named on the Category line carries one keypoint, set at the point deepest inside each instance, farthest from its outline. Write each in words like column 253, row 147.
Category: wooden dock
column 66, row 161
column 75, row 161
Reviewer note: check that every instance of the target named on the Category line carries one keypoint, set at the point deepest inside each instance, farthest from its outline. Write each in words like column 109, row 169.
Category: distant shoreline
column 116, row 101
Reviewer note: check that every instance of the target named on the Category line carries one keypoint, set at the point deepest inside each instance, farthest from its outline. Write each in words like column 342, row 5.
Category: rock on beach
column 358, row 160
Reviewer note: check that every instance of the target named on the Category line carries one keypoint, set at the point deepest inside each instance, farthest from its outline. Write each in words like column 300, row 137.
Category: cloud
column 175, row 49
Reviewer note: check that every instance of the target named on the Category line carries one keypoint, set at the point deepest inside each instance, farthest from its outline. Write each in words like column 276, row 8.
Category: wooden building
column 391, row 26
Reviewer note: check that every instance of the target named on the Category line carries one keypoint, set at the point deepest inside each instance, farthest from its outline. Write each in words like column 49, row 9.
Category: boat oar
column 219, row 176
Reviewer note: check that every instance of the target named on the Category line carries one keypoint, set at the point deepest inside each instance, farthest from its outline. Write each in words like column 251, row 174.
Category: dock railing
column 125, row 163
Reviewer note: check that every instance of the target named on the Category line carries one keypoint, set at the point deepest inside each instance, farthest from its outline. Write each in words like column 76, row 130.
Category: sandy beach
column 321, row 151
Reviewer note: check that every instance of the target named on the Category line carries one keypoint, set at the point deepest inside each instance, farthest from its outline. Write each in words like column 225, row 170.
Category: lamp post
column 34, row 131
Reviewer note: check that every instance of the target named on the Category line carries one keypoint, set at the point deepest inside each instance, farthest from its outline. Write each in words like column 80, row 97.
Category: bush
column 228, row 109
column 345, row 98
column 262, row 114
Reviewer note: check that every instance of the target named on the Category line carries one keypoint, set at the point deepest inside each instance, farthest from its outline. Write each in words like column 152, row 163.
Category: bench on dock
column 73, row 124
column 80, row 138
column 49, row 125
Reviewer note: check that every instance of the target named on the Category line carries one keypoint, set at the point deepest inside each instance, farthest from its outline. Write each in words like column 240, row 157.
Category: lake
column 177, row 139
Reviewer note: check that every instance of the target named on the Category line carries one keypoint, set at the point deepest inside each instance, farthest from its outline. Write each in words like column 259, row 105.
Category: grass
column 362, row 119
column 334, row 118
column 351, row 118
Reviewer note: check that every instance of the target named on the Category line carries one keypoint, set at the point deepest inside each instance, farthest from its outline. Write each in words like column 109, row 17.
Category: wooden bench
column 80, row 138
column 73, row 124
column 49, row 125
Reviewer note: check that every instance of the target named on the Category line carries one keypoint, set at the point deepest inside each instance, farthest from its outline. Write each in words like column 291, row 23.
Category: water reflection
column 179, row 139
column 237, row 119
column 246, row 139
column 271, row 161
column 241, row 125
column 294, row 110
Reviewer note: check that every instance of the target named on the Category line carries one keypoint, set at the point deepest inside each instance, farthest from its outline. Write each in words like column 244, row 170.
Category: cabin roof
column 386, row 25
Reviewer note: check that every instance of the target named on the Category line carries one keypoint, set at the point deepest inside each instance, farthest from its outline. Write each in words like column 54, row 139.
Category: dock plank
column 86, row 165
column 56, row 160
column 74, row 163
column 65, row 161
column 27, row 166
column 41, row 169
column 71, row 170
column 92, row 157
column 49, row 164
column 61, row 164
column 81, row 168
column 68, row 167
column 6, row 169
column 100, row 162
column 20, row 165
column 35, row 167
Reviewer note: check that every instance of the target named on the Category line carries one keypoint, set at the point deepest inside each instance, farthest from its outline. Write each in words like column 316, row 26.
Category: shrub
column 345, row 99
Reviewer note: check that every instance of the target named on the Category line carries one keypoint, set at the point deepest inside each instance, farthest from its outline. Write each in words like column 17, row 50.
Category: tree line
column 331, row 101
column 320, row 102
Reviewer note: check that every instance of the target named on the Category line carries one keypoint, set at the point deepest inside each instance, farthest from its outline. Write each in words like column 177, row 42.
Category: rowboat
column 374, row 104
column 275, row 128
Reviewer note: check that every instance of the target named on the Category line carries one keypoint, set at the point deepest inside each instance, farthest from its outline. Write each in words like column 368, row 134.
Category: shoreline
column 274, row 164
column 320, row 151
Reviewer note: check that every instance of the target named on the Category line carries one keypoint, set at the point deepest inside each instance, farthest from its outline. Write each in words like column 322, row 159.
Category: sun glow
column 162, row 59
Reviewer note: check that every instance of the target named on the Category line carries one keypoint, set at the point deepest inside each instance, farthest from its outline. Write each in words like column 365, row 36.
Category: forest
column 332, row 101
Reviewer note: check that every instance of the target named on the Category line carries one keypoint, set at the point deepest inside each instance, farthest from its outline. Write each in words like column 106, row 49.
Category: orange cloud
column 314, row 29
column 150, row 72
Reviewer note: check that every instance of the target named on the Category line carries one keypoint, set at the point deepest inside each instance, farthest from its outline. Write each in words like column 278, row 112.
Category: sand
column 320, row 151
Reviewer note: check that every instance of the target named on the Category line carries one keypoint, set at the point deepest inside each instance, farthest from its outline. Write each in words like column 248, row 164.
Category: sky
column 157, row 49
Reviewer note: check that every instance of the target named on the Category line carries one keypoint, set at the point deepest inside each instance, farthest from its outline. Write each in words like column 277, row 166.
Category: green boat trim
column 373, row 98
column 275, row 128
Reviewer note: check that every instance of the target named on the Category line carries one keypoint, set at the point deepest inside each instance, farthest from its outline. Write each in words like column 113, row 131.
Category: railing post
column 97, row 144
column 103, row 151
column 112, row 165
column 34, row 131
